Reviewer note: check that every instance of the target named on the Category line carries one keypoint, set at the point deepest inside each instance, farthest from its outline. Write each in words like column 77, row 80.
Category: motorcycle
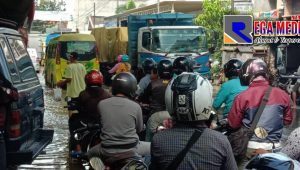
column 93, row 131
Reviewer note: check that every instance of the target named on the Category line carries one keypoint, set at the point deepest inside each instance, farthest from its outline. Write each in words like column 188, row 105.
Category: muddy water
column 55, row 155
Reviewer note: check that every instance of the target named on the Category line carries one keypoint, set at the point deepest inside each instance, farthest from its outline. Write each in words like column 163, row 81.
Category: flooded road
column 56, row 155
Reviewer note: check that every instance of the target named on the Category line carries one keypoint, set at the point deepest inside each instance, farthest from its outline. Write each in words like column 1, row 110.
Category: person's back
column 211, row 149
column 121, row 120
column 88, row 101
column 75, row 71
column 230, row 89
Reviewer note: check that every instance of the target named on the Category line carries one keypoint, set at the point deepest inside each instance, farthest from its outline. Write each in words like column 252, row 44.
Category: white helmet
column 188, row 97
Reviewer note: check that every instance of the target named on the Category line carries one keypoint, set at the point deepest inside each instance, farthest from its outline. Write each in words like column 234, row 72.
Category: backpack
column 123, row 67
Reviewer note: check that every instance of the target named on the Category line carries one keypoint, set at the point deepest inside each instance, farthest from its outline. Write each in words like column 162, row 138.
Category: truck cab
column 169, row 42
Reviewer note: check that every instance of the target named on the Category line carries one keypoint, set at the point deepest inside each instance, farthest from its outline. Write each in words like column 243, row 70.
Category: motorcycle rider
column 121, row 120
column 87, row 104
column 189, row 100
column 148, row 65
column 231, row 88
column 277, row 112
column 155, row 93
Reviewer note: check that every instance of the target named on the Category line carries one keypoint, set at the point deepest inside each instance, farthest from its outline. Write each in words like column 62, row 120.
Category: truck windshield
column 179, row 40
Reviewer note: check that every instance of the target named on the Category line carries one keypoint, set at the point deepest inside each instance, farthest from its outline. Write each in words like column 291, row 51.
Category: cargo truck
column 164, row 36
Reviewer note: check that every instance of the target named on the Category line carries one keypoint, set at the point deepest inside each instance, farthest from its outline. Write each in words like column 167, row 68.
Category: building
column 189, row 7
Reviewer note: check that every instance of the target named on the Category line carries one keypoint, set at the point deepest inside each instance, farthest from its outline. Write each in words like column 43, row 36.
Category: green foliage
column 130, row 5
column 212, row 19
column 120, row 9
column 50, row 5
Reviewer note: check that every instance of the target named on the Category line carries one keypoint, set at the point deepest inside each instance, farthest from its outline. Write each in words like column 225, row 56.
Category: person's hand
column 61, row 83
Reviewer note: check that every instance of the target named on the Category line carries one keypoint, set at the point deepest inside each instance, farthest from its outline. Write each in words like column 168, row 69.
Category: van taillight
column 15, row 124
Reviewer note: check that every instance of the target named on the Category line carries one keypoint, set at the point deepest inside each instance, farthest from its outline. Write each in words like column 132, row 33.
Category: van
column 25, row 137
column 59, row 49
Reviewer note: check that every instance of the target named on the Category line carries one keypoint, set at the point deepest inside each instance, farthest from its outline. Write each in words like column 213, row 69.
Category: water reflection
column 55, row 155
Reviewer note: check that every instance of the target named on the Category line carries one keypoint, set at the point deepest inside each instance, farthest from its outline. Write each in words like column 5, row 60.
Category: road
column 55, row 155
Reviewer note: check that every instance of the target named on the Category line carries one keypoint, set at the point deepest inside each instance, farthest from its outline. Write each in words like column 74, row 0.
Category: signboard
column 243, row 7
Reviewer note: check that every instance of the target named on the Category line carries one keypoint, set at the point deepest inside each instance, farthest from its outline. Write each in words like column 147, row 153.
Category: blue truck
column 167, row 36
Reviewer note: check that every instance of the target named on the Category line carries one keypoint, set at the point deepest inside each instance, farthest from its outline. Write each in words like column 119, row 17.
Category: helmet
column 148, row 65
column 93, row 78
column 165, row 69
column 182, row 64
column 189, row 98
column 232, row 68
column 119, row 58
column 125, row 58
column 251, row 69
column 124, row 83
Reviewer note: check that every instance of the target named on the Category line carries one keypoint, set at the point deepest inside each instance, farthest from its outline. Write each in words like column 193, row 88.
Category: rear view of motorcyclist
column 231, row 88
column 155, row 93
column 189, row 100
column 121, row 120
column 148, row 65
column 182, row 64
column 87, row 103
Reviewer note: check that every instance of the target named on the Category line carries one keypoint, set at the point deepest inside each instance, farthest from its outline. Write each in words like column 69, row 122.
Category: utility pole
column 158, row 10
column 118, row 13
column 94, row 14
column 232, row 6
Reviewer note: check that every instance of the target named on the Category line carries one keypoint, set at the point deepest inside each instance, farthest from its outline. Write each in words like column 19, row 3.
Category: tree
column 120, row 9
column 212, row 19
column 130, row 5
column 49, row 5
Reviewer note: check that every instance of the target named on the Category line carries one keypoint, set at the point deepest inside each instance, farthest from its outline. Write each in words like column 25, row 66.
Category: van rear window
column 85, row 49
column 23, row 61
column 4, row 50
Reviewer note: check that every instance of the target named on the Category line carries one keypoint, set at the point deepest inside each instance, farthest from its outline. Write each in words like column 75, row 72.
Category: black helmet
column 232, row 68
column 124, row 83
column 182, row 64
column 251, row 69
column 165, row 69
column 148, row 65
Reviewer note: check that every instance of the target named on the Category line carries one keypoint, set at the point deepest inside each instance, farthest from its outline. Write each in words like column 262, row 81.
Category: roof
column 74, row 37
column 165, row 6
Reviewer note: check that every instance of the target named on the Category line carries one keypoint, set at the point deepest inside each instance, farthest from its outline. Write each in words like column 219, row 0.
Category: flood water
column 56, row 155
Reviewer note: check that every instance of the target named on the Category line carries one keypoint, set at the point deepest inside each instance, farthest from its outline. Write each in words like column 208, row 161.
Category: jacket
column 276, row 114
column 227, row 93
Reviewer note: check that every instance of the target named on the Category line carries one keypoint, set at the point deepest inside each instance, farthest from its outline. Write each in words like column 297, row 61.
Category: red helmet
column 94, row 78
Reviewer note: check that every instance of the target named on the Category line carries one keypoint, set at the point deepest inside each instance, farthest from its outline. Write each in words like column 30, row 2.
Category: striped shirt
column 212, row 151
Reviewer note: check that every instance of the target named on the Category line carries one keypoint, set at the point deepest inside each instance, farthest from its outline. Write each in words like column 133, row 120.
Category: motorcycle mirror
column 261, row 132
column 77, row 136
